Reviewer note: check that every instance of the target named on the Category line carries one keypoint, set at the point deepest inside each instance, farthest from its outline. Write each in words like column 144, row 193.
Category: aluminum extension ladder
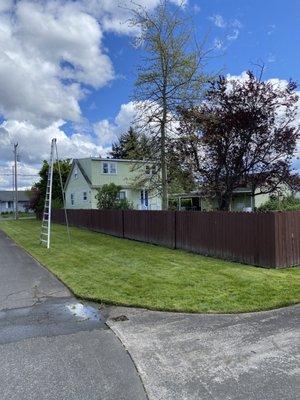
column 45, row 237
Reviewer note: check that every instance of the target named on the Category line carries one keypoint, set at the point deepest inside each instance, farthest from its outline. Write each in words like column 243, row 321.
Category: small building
column 7, row 201
column 242, row 200
column 87, row 175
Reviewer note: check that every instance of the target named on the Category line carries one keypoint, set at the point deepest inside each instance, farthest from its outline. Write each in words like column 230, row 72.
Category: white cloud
column 50, row 52
column 232, row 28
column 34, row 146
column 45, row 59
column 219, row 44
column 115, row 15
column 6, row 5
column 218, row 21
column 233, row 35
column 108, row 132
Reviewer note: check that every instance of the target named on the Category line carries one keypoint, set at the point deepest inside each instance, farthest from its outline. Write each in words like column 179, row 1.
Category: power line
column 19, row 175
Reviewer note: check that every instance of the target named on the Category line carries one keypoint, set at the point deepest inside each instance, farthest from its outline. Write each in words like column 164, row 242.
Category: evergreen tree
column 131, row 146
column 38, row 191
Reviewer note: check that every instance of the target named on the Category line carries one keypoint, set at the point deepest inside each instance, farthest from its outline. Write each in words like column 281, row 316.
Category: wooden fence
column 270, row 239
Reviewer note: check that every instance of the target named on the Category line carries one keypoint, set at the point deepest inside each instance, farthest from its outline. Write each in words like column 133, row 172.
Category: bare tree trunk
column 164, row 182
column 224, row 202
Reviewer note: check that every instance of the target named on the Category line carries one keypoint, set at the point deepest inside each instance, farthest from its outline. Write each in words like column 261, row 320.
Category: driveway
column 51, row 345
column 214, row 357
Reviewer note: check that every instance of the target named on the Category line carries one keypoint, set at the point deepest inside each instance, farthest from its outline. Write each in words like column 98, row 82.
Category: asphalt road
column 51, row 345
column 214, row 357
column 54, row 347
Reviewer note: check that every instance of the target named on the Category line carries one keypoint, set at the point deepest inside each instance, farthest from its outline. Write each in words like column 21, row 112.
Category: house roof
column 82, row 170
column 81, row 164
column 122, row 160
column 8, row 195
column 76, row 162
column 197, row 193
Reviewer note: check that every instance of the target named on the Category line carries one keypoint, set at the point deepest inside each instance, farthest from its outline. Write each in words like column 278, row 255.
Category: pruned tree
column 243, row 134
column 170, row 75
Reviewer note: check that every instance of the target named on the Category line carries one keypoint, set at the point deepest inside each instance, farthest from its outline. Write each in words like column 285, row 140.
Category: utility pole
column 13, row 186
column 16, row 179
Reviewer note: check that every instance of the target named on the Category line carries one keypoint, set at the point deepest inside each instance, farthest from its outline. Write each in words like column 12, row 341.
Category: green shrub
column 288, row 203
column 108, row 198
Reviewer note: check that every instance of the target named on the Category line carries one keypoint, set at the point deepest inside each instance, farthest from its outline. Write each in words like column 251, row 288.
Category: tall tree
column 134, row 146
column 169, row 76
column 38, row 191
column 131, row 145
column 244, row 133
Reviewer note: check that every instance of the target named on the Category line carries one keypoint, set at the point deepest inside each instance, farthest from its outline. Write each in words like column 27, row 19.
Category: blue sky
column 67, row 68
column 269, row 33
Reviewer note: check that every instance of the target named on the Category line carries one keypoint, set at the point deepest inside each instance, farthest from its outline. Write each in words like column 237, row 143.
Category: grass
column 118, row 271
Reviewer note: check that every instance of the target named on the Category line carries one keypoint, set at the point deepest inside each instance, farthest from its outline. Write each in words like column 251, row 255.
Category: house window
column 109, row 168
column 72, row 199
column 112, row 168
column 75, row 173
column 122, row 195
column 105, row 168
column 84, row 196
column 144, row 199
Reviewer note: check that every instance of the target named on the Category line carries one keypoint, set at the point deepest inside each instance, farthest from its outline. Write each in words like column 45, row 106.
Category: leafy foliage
column 108, row 198
column 288, row 203
column 137, row 146
column 169, row 76
column 131, row 146
column 38, row 191
column 243, row 134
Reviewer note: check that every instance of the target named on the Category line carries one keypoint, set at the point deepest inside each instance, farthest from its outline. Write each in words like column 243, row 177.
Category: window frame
column 124, row 197
column 75, row 172
column 105, row 163
column 85, row 194
column 115, row 168
column 72, row 199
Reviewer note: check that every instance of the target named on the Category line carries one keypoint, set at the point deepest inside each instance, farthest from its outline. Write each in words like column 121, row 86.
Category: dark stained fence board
column 135, row 225
column 287, row 238
column 156, row 227
column 107, row 221
column 243, row 237
column 269, row 239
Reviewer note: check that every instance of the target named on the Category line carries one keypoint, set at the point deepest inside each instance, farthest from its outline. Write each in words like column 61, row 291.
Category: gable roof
column 81, row 163
column 122, row 160
column 8, row 195
column 76, row 162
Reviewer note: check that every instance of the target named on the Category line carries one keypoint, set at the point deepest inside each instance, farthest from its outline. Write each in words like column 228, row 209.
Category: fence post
column 123, row 223
column 175, row 229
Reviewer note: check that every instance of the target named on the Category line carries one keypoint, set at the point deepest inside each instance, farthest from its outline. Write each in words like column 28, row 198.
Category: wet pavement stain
column 49, row 318
column 84, row 312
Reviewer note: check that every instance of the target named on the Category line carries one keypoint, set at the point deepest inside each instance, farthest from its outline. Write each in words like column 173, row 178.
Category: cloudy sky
column 67, row 67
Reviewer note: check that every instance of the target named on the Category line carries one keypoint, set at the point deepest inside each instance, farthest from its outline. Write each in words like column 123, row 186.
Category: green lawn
column 118, row 271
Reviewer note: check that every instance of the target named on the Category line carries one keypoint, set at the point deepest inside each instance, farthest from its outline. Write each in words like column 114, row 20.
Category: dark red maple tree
column 244, row 133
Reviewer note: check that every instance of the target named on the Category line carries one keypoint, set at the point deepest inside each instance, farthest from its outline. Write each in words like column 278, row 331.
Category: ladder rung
column 44, row 241
column 44, row 233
